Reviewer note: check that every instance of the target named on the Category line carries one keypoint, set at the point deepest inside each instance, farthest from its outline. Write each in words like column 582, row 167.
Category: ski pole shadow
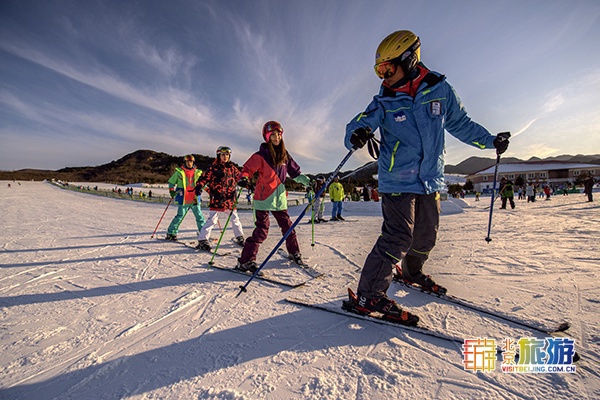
column 11, row 301
column 77, row 247
column 209, row 352
column 134, row 234
column 49, row 263
column 205, row 274
column 179, row 250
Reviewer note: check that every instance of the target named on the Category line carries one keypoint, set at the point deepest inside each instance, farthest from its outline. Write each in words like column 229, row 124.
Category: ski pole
column 312, row 220
column 312, row 243
column 502, row 136
column 289, row 231
column 161, row 218
column 225, row 227
column 488, row 238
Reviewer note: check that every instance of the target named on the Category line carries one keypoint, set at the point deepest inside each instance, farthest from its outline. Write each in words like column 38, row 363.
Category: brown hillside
column 140, row 166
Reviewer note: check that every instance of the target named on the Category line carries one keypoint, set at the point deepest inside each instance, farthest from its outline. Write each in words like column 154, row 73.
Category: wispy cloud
column 164, row 99
column 19, row 107
column 169, row 62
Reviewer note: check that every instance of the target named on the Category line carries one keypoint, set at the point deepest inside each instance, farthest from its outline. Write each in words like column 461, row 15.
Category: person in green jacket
column 181, row 188
column 507, row 193
column 336, row 193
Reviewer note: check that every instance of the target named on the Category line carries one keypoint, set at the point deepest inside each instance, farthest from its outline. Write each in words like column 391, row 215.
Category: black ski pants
column 410, row 226
column 511, row 199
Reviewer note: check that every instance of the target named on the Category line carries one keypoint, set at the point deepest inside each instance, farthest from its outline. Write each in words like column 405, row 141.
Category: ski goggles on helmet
column 224, row 150
column 273, row 127
column 385, row 69
column 269, row 128
column 189, row 157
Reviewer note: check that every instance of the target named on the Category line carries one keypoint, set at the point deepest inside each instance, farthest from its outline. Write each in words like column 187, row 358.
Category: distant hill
column 474, row 164
column 140, row 166
column 365, row 172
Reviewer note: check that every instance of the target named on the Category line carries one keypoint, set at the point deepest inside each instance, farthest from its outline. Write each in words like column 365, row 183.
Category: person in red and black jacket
column 220, row 181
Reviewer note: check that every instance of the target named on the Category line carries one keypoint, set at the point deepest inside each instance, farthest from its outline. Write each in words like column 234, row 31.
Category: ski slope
column 92, row 308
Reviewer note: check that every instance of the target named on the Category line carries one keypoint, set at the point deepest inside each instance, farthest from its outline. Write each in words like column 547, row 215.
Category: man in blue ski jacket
column 413, row 109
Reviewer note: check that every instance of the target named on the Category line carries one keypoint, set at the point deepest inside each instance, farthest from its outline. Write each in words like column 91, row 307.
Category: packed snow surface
column 92, row 307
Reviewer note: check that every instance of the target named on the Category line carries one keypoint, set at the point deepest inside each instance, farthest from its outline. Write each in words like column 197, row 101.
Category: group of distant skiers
column 507, row 192
column 412, row 111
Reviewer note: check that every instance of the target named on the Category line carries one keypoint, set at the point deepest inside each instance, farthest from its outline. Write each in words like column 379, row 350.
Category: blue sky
column 86, row 82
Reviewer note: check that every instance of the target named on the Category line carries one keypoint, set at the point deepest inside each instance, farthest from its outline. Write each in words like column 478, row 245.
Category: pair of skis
column 482, row 310
column 308, row 269
column 348, row 310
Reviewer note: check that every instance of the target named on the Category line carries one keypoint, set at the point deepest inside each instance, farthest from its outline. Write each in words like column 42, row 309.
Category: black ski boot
column 381, row 307
column 428, row 285
column 240, row 240
column 297, row 258
column 171, row 237
column 420, row 279
column 248, row 267
column 203, row 245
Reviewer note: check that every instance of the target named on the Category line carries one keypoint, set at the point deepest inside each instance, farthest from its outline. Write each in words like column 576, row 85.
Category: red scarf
column 412, row 85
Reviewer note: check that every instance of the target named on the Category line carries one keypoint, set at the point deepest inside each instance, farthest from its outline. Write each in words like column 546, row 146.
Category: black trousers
column 410, row 226
column 511, row 199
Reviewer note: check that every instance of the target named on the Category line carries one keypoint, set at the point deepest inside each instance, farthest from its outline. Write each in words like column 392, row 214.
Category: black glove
column 501, row 142
column 245, row 183
column 173, row 193
column 360, row 137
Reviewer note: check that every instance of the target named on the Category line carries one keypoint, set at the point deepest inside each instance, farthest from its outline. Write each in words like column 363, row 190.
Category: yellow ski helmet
column 400, row 48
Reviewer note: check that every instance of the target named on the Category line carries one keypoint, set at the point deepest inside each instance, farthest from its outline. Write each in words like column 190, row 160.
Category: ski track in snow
column 92, row 307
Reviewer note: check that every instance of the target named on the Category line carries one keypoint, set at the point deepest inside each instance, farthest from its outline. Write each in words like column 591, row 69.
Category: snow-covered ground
column 92, row 308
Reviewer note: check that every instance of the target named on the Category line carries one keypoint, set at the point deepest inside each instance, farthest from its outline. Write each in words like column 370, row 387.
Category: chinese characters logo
column 526, row 355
